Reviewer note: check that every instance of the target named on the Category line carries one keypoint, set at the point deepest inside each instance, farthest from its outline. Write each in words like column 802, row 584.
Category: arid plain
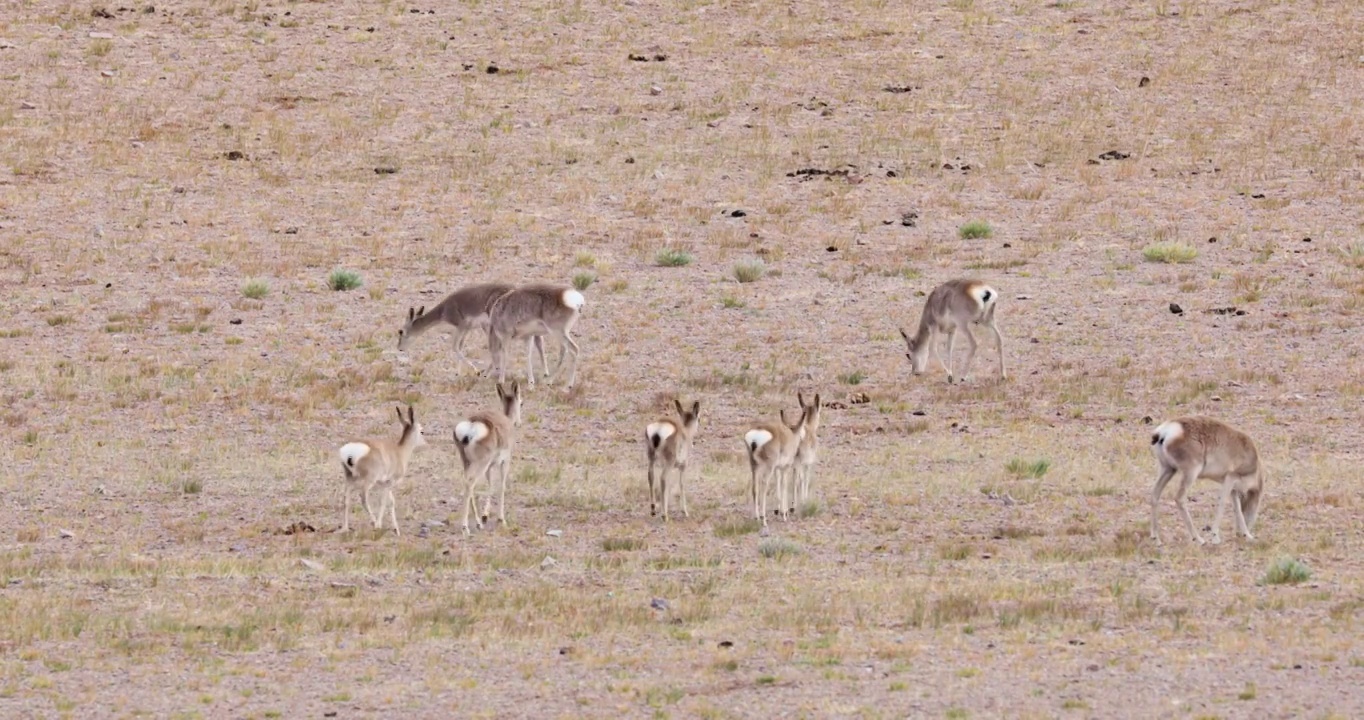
column 178, row 182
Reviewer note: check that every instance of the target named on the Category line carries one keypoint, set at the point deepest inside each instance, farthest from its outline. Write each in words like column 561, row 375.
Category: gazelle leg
column 1165, row 474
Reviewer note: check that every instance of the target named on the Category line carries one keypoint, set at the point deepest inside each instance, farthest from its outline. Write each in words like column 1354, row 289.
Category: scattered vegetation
column 975, row 230
column 852, row 378
column 777, row 548
column 256, row 289
column 1021, row 468
column 584, row 280
column 341, row 280
column 1287, row 571
column 1169, row 252
column 673, row 257
column 747, row 271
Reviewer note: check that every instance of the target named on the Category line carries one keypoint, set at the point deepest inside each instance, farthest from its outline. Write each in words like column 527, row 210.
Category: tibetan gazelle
column 668, row 443
column 484, row 441
column 952, row 306
column 379, row 463
column 530, row 311
column 464, row 310
column 807, row 454
column 1201, row 447
column 772, row 448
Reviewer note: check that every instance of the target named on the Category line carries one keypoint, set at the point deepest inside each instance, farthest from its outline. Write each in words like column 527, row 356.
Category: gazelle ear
column 516, row 388
column 401, row 419
column 800, row 398
column 500, row 392
column 411, row 314
column 678, row 404
column 411, row 415
column 696, row 409
column 816, row 400
column 421, row 311
column 904, row 334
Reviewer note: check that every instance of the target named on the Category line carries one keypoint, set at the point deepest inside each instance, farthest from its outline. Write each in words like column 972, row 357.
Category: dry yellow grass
column 163, row 427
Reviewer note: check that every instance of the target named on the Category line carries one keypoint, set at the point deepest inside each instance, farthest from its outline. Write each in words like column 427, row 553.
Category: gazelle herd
column 781, row 455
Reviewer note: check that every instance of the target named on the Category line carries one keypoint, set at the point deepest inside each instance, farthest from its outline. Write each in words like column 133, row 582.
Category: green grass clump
column 1169, row 252
column 256, row 289
column 617, row 544
column 975, row 230
column 853, row 378
column 673, row 257
column 584, row 280
column 1287, row 571
column 747, row 271
column 344, row 280
column 733, row 527
column 777, row 548
column 1022, row 468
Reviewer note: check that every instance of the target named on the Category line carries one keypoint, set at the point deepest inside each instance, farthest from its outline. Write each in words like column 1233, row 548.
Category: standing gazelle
column 484, row 441
column 772, row 448
column 668, row 443
column 807, row 453
column 379, row 463
column 1201, row 447
column 530, row 311
column 465, row 309
column 952, row 306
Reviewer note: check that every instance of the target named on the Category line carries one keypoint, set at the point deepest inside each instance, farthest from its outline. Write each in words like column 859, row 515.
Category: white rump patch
column 756, row 438
column 660, row 431
column 1169, row 430
column 573, row 300
column 352, row 453
column 984, row 295
column 470, row 431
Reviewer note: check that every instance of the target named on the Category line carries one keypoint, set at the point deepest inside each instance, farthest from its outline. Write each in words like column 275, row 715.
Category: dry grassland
column 178, row 183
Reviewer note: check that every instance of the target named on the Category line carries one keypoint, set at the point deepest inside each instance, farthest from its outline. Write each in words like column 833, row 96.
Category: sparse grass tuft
column 585, row 260
column 1169, row 252
column 733, row 527
column 256, row 289
column 747, row 271
column 853, row 378
column 778, row 548
column 618, row 544
column 191, row 486
column 341, row 280
column 1021, row 468
column 975, row 230
column 673, row 257
column 584, row 280
column 730, row 302
column 809, row 509
column 1287, row 571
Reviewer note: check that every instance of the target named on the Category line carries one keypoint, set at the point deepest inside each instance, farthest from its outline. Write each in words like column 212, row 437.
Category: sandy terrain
column 975, row 551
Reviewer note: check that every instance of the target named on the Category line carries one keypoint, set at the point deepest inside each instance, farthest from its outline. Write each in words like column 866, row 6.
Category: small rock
column 738, row 213
column 66, row 533
column 235, row 155
column 637, row 58
column 726, row 643
column 433, row 523
column 312, row 565
column 7, row 45
column 1176, row 309
column 548, row 563
column 235, row 321
column 26, row 105
column 338, row 584
column 655, row 90
column 909, row 218
column 1114, row 155
column 493, row 70
column 1144, row 81
column 99, row 490
column 554, row 533
column 1022, row 297
column 385, row 170
column 102, row 36
column 106, row 73
column 659, row 604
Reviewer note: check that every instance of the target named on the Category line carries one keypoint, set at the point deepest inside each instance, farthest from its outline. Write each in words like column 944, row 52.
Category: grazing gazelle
column 530, row 311
column 668, row 443
column 484, row 441
column 464, row 310
column 772, row 448
column 379, row 463
column 1201, row 447
column 952, row 306
column 808, row 451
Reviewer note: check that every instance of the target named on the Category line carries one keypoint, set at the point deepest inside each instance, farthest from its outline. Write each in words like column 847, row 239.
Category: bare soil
column 977, row 550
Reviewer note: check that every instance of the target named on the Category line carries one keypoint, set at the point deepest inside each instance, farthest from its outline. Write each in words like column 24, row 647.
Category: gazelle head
column 405, row 334
column 412, row 430
column 690, row 418
column 811, row 411
column 918, row 356
column 511, row 402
